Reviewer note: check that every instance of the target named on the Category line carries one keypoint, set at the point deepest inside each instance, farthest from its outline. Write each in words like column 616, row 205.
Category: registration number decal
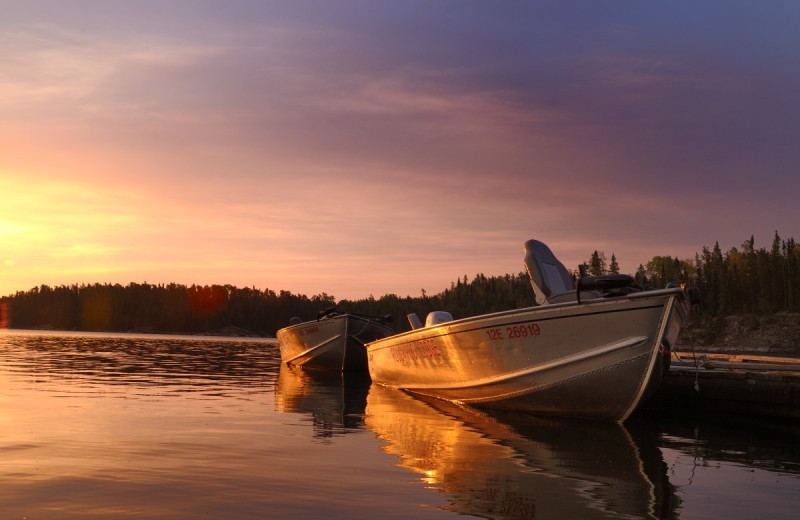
column 308, row 330
column 513, row 332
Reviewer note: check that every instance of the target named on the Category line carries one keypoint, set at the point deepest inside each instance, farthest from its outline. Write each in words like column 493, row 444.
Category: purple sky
column 362, row 148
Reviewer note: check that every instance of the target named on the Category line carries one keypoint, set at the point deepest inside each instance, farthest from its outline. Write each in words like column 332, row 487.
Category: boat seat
column 550, row 280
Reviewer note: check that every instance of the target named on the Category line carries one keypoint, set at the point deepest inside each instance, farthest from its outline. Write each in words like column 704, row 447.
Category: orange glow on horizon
column 3, row 315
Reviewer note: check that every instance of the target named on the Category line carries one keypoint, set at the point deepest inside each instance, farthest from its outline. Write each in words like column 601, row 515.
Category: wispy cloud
column 360, row 148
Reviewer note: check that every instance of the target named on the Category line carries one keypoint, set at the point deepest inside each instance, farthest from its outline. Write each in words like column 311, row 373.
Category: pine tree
column 614, row 267
column 597, row 263
column 641, row 276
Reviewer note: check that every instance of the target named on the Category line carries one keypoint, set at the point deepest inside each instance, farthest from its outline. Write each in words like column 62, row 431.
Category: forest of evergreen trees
column 740, row 281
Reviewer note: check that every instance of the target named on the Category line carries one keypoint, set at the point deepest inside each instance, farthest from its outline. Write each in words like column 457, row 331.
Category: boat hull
column 596, row 359
column 332, row 343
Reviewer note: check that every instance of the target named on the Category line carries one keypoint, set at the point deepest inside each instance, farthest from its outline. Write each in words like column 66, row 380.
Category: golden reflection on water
column 334, row 402
column 95, row 427
column 106, row 427
column 520, row 466
column 109, row 428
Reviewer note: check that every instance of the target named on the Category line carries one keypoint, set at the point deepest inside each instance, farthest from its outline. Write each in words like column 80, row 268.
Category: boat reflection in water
column 522, row 466
column 334, row 402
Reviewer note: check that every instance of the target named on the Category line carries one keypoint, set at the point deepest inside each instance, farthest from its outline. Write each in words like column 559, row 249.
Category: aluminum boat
column 598, row 350
column 334, row 341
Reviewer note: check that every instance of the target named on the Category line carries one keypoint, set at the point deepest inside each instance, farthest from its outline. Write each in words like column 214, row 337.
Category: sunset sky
column 362, row 148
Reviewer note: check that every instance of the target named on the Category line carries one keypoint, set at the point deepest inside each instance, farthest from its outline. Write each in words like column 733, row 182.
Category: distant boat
column 596, row 351
column 334, row 341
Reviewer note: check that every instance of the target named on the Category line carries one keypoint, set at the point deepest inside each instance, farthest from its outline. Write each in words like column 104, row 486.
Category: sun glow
column 50, row 228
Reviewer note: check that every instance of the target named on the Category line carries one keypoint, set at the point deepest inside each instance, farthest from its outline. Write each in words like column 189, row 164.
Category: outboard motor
column 436, row 317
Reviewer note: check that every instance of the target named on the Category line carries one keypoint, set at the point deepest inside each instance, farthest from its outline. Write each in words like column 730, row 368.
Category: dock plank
column 753, row 385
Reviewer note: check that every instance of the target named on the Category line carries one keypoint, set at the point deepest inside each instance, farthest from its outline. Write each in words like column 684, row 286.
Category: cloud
column 313, row 146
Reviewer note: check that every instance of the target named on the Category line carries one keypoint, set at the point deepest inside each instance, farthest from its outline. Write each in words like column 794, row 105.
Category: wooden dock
column 722, row 383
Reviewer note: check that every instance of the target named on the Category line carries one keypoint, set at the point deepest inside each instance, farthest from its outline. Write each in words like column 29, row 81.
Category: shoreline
column 141, row 334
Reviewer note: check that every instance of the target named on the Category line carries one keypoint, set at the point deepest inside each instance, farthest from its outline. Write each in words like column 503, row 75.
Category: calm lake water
column 164, row 427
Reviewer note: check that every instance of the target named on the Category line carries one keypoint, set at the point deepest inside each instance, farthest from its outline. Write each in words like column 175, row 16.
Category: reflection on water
column 733, row 467
column 122, row 426
column 169, row 364
column 760, row 443
column 334, row 402
column 521, row 466
column 95, row 427
column 125, row 427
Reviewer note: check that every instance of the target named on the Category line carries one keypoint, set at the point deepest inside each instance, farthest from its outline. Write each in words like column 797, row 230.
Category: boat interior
column 552, row 284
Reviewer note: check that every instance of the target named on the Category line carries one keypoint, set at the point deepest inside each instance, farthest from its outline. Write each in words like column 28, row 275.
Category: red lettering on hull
column 514, row 332
column 423, row 349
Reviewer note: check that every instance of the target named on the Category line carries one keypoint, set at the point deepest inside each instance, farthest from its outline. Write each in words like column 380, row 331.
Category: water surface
column 123, row 426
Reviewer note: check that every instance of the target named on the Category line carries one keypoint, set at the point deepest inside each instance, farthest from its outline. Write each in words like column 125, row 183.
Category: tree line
column 167, row 308
column 741, row 280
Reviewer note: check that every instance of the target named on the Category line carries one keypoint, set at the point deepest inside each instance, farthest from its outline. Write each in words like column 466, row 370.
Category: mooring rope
column 694, row 357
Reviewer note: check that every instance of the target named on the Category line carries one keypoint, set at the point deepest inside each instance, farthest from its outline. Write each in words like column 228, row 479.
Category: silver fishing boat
column 334, row 341
column 598, row 350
